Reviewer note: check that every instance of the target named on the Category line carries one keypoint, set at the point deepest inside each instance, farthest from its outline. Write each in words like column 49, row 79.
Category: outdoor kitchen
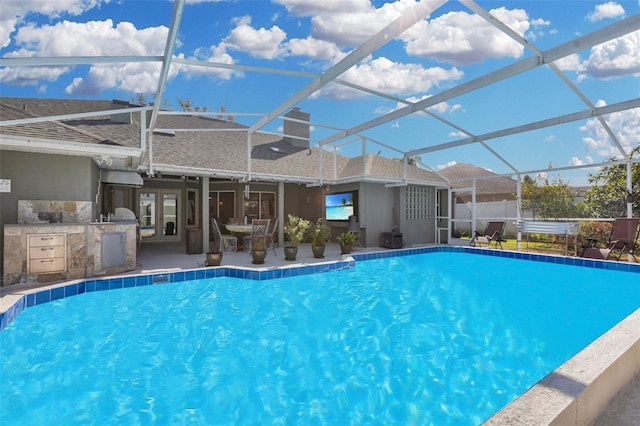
column 60, row 240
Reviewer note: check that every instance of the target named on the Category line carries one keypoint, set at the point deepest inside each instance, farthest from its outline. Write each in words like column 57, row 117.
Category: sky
column 451, row 46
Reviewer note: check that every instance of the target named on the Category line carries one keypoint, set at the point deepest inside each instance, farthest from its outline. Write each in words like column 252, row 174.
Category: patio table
column 238, row 230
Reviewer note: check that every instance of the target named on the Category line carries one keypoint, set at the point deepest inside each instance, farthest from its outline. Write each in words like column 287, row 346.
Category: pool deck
column 157, row 257
column 578, row 392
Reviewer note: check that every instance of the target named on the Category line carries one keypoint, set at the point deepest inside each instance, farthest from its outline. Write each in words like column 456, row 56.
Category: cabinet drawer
column 40, row 266
column 46, row 240
column 46, row 252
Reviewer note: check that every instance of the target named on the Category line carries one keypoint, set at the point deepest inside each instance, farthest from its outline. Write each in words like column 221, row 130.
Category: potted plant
column 296, row 228
column 346, row 240
column 214, row 255
column 319, row 236
column 258, row 249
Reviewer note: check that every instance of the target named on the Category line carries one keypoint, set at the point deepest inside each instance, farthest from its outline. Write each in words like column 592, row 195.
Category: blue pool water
column 439, row 338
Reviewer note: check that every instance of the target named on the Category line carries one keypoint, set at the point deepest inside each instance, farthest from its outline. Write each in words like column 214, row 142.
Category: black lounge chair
column 493, row 232
column 623, row 239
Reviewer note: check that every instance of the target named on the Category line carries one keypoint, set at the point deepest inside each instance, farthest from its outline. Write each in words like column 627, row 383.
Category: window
column 260, row 205
column 222, row 205
column 418, row 203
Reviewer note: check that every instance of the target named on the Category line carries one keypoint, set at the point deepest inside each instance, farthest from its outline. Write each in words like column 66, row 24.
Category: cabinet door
column 46, row 240
column 47, row 266
column 46, row 252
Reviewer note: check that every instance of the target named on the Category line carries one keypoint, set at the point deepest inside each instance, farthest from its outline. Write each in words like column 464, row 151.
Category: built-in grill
column 124, row 215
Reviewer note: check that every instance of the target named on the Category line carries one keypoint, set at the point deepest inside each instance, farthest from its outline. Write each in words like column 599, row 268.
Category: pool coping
column 574, row 393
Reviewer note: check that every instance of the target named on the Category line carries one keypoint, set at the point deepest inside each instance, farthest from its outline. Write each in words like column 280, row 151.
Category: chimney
column 120, row 118
column 295, row 128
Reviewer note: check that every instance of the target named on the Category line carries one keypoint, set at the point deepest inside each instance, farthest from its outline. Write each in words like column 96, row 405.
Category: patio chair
column 493, row 232
column 272, row 236
column 354, row 227
column 223, row 242
column 622, row 239
column 259, row 230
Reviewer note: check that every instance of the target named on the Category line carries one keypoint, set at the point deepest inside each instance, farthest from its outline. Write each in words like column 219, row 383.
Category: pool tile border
column 50, row 294
column 111, row 283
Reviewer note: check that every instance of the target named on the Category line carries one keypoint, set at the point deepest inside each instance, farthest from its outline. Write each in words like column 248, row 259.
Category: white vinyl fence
column 506, row 211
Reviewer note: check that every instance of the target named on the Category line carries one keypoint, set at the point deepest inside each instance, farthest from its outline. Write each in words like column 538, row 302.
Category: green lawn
column 533, row 246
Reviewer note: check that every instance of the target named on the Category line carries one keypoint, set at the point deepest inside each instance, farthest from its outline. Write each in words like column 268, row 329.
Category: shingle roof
column 19, row 108
column 492, row 185
column 221, row 151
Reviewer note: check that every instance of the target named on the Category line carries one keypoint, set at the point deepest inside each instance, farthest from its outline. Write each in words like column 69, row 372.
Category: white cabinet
column 46, row 253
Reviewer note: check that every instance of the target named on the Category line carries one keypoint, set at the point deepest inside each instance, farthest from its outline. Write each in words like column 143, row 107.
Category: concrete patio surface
column 160, row 257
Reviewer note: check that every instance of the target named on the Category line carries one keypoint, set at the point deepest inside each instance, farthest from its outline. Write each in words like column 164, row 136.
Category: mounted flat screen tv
column 341, row 205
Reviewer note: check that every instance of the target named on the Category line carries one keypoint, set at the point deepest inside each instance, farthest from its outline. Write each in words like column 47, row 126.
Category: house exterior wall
column 374, row 220
column 416, row 232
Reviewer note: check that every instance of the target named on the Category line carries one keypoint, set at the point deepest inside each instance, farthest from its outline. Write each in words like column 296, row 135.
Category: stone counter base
column 83, row 250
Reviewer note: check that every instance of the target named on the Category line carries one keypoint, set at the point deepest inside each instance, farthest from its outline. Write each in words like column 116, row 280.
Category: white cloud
column 615, row 58
column 606, row 11
column 575, row 161
column 217, row 54
column 260, row 43
column 313, row 8
column 458, row 134
column 460, row 38
column 132, row 77
column 390, row 77
column 30, row 76
column 313, row 48
column 570, row 63
column 346, row 23
column 539, row 22
column 441, row 108
column 15, row 11
column 624, row 124
column 444, row 166
column 93, row 38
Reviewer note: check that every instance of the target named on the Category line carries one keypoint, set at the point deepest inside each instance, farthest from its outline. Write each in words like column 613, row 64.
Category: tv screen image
column 340, row 206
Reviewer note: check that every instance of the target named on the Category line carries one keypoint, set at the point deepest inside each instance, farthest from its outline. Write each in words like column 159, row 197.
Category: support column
column 206, row 220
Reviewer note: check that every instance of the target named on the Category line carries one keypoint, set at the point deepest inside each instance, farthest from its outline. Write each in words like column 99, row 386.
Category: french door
column 159, row 213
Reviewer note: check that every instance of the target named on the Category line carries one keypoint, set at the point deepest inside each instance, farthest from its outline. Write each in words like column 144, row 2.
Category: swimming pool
column 444, row 341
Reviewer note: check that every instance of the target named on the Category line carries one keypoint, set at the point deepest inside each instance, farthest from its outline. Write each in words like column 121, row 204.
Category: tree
column 141, row 99
column 548, row 199
column 608, row 194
